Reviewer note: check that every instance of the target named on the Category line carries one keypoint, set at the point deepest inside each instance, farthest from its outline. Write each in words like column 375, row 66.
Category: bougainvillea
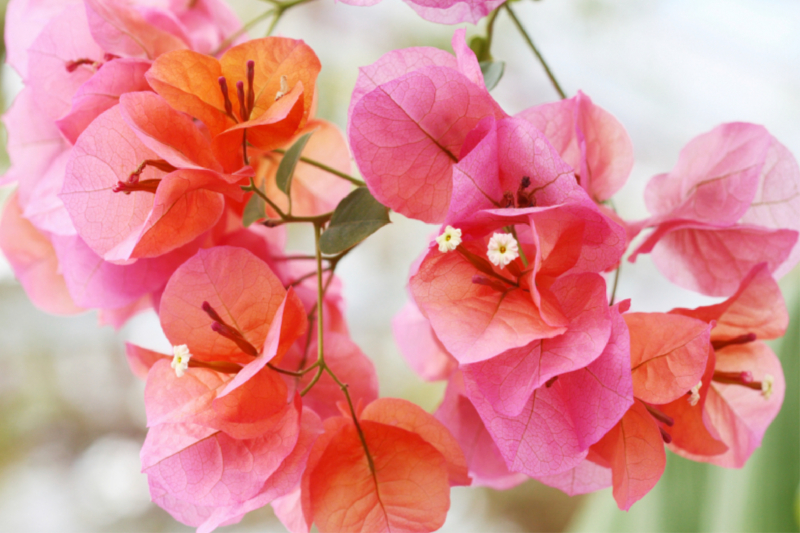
column 158, row 155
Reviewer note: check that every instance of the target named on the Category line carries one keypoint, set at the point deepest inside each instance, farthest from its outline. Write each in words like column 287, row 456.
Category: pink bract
column 589, row 139
column 444, row 11
column 559, row 422
column 408, row 131
column 731, row 202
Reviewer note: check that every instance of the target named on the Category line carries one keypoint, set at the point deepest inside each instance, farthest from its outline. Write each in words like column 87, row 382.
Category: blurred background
column 72, row 415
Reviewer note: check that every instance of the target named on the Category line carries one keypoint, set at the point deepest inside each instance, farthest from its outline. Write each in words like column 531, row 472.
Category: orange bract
column 191, row 82
column 407, row 492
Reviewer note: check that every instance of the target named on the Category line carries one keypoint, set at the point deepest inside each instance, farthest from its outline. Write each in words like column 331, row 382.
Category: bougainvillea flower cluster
column 546, row 379
column 158, row 155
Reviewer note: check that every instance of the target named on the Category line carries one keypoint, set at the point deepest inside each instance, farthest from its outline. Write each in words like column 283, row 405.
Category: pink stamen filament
column 744, row 379
column 658, row 415
column 666, row 437
column 741, row 339
column 219, row 326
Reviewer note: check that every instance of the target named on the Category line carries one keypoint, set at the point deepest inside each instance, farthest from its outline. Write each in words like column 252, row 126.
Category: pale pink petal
column 33, row 143
column 777, row 201
column 95, row 283
column 141, row 360
column 394, row 64
column 453, row 11
column 585, row 478
column 289, row 510
column 714, row 261
column 280, row 482
column 208, row 23
column 486, row 466
column 476, row 177
column 44, row 208
column 589, row 139
column 105, row 154
column 599, row 395
column 217, row 470
column 419, row 346
column 116, row 318
column 101, row 92
column 716, row 176
column 508, row 380
column 25, row 20
column 467, row 61
column 64, row 40
column 407, row 134
column 120, row 29
column 34, row 262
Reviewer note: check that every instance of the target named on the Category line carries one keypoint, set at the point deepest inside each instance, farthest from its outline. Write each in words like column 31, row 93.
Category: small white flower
column 502, row 249
column 766, row 385
column 284, row 88
column 695, row 394
column 449, row 240
column 181, row 360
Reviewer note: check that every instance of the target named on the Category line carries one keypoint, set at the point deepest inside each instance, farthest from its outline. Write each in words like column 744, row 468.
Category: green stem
column 298, row 374
column 490, row 29
column 528, row 39
column 241, row 31
column 285, row 218
column 355, row 181
column 616, row 281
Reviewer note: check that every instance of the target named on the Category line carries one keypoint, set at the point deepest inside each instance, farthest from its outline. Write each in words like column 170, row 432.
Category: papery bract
column 589, row 139
column 635, row 452
column 408, row 489
column 561, row 420
column 668, row 354
column 444, row 11
column 240, row 287
column 407, row 132
column 739, row 411
column 731, row 202
column 33, row 259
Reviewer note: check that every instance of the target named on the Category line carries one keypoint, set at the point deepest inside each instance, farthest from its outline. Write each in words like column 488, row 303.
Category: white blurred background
column 72, row 416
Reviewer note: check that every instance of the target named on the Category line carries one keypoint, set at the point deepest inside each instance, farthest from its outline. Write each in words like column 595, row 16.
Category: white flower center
column 180, row 361
column 449, row 240
column 284, row 88
column 766, row 385
column 503, row 249
column 695, row 394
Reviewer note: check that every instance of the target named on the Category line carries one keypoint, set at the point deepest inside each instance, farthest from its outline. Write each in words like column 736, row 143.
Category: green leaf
column 253, row 211
column 285, row 172
column 492, row 72
column 480, row 46
column 357, row 216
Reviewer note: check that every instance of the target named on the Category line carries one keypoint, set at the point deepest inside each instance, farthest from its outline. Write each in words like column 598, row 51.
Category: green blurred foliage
column 762, row 496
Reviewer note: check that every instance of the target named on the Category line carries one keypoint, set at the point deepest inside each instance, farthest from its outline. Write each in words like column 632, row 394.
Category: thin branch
column 355, row 181
column 528, row 39
column 241, row 31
